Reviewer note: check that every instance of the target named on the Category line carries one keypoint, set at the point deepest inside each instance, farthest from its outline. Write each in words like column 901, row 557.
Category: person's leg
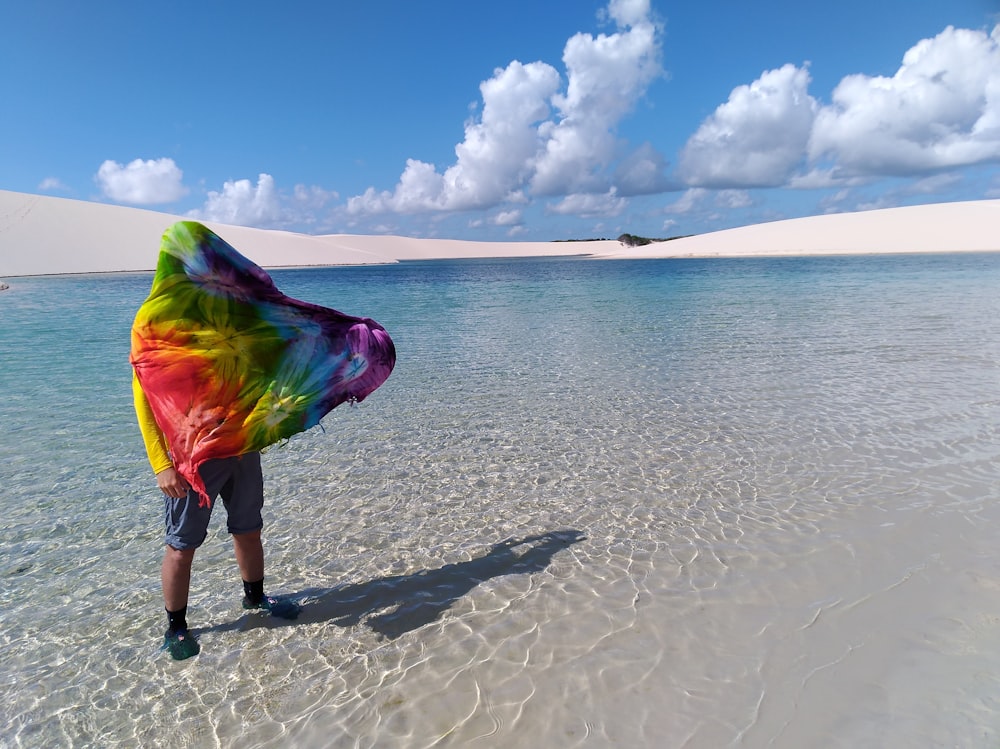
column 249, row 555
column 175, row 575
column 186, row 528
column 243, row 496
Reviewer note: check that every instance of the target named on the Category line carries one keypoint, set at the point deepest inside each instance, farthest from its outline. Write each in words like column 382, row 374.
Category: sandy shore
column 45, row 235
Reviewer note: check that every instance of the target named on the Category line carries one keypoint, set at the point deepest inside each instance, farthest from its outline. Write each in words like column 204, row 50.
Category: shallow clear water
column 676, row 503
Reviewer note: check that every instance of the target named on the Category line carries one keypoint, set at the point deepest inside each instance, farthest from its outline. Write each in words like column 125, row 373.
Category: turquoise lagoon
column 699, row 503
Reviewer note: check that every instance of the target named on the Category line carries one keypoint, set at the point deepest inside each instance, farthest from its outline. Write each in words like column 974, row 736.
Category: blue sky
column 519, row 120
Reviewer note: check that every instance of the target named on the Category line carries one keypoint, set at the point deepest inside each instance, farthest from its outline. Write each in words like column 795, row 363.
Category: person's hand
column 172, row 483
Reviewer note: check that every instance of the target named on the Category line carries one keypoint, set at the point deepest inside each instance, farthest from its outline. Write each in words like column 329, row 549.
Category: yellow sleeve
column 152, row 435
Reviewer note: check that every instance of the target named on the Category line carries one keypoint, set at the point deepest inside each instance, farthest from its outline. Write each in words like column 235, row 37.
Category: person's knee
column 247, row 538
column 178, row 557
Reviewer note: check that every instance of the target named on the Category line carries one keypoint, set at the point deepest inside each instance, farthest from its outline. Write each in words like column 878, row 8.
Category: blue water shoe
column 283, row 608
column 180, row 644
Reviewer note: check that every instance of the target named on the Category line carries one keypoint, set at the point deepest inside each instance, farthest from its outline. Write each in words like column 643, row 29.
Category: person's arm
column 168, row 479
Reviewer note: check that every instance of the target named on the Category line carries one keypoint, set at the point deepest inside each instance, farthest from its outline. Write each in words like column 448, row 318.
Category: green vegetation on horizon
column 629, row 240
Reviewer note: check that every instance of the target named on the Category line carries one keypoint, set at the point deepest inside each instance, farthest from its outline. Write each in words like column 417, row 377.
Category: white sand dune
column 941, row 227
column 46, row 235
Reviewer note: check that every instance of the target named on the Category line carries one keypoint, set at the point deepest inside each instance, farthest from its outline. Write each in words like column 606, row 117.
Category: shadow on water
column 392, row 606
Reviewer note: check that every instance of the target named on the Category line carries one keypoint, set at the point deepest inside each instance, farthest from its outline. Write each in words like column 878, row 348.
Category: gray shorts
column 238, row 481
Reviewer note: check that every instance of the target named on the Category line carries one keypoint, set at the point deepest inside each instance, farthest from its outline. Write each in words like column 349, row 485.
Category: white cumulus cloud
column 244, row 204
column 494, row 158
column 141, row 182
column 756, row 139
column 628, row 12
column 262, row 205
column 941, row 109
column 508, row 218
column 518, row 146
column 590, row 205
column 733, row 199
column 498, row 151
column 607, row 75
column 688, row 201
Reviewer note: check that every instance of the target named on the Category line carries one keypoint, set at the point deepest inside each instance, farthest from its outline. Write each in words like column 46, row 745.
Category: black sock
column 177, row 620
column 254, row 591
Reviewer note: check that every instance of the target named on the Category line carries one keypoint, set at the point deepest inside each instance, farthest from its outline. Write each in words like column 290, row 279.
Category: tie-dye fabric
column 229, row 364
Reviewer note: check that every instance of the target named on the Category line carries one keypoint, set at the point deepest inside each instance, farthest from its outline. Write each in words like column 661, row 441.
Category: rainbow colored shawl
column 230, row 365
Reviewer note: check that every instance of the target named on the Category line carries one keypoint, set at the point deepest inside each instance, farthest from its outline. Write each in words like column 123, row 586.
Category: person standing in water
column 238, row 480
column 224, row 365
